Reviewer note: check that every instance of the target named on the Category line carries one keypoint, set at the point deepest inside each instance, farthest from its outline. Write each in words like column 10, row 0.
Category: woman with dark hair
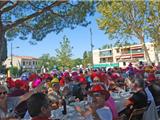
column 39, row 107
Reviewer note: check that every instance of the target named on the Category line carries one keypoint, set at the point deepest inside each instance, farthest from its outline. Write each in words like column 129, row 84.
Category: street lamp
column 12, row 57
column 91, row 47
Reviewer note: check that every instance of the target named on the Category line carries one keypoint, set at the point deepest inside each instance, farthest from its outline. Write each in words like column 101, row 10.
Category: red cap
column 97, row 88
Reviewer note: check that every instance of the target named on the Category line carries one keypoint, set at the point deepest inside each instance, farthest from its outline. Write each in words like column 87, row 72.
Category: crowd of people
column 34, row 97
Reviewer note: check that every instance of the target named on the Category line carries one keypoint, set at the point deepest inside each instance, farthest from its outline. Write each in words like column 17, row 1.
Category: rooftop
column 25, row 57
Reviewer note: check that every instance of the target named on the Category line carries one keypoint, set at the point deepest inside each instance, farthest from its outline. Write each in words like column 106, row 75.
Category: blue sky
column 79, row 38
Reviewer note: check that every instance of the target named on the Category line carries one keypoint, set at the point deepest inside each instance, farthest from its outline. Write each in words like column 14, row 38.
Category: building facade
column 121, row 56
column 22, row 62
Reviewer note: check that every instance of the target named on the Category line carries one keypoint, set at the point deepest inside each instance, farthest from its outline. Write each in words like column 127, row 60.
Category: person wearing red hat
column 10, row 83
column 8, row 104
column 18, row 91
column 97, row 109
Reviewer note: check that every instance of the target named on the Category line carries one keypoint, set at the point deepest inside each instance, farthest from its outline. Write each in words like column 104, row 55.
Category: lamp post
column 12, row 58
column 91, row 47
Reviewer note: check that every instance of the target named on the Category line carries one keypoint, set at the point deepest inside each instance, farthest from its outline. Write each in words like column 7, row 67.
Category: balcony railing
column 131, row 52
column 105, row 54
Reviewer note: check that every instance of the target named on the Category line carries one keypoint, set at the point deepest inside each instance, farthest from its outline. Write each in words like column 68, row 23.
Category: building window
column 33, row 62
column 29, row 63
column 106, row 53
column 102, row 60
column 110, row 60
column 23, row 63
column 110, row 52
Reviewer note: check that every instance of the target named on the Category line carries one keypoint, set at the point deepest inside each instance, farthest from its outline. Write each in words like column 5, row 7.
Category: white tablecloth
column 120, row 99
column 72, row 114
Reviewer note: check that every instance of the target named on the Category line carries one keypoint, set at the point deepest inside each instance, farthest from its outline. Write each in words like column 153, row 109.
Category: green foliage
column 77, row 61
column 121, row 18
column 118, row 44
column 64, row 53
column 130, row 19
column 49, row 16
column 47, row 62
column 107, row 46
column 154, row 22
column 87, row 58
column 21, row 19
column 15, row 71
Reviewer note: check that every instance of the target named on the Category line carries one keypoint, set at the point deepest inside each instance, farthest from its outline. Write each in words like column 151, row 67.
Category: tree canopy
column 47, row 61
column 38, row 18
column 87, row 58
column 127, row 19
column 64, row 53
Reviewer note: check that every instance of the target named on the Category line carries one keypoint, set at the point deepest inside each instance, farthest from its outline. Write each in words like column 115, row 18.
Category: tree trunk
column 156, row 54
column 141, row 38
column 146, row 54
column 145, row 51
column 3, row 44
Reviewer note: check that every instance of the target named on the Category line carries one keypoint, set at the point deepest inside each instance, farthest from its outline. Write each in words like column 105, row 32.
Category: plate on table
column 125, row 94
column 115, row 96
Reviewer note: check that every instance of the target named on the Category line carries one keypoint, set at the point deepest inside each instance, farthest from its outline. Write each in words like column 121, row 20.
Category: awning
column 106, row 65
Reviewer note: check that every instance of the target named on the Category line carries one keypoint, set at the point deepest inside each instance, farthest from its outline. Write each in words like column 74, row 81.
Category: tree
column 38, row 18
column 154, row 26
column 125, row 18
column 64, row 53
column 15, row 72
column 77, row 61
column 107, row 46
column 87, row 56
column 47, row 61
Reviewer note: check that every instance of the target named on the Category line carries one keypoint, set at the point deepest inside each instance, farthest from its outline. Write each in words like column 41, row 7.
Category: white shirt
column 104, row 113
column 149, row 94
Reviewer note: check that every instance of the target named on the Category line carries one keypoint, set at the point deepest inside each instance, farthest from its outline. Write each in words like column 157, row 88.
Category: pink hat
column 74, row 74
column 36, row 83
column 66, row 74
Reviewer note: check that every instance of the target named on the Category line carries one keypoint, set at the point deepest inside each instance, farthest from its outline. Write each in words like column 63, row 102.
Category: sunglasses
column 96, row 94
column 4, row 93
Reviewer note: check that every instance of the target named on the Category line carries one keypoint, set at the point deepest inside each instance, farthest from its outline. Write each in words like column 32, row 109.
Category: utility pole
column 91, row 47
column 11, row 55
column 11, row 70
column 11, row 63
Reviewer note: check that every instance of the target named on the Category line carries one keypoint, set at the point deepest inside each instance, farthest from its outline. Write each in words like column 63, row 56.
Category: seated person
column 112, row 105
column 67, row 95
column 54, row 101
column 138, row 99
column 77, row 92
column 155, row 90
column 8, row 104
column 39, row 107
column 56, row 90
column 97, row 109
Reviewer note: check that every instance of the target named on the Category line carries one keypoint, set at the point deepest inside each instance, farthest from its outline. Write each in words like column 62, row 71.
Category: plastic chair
column 21, row 109
column 137, row 114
